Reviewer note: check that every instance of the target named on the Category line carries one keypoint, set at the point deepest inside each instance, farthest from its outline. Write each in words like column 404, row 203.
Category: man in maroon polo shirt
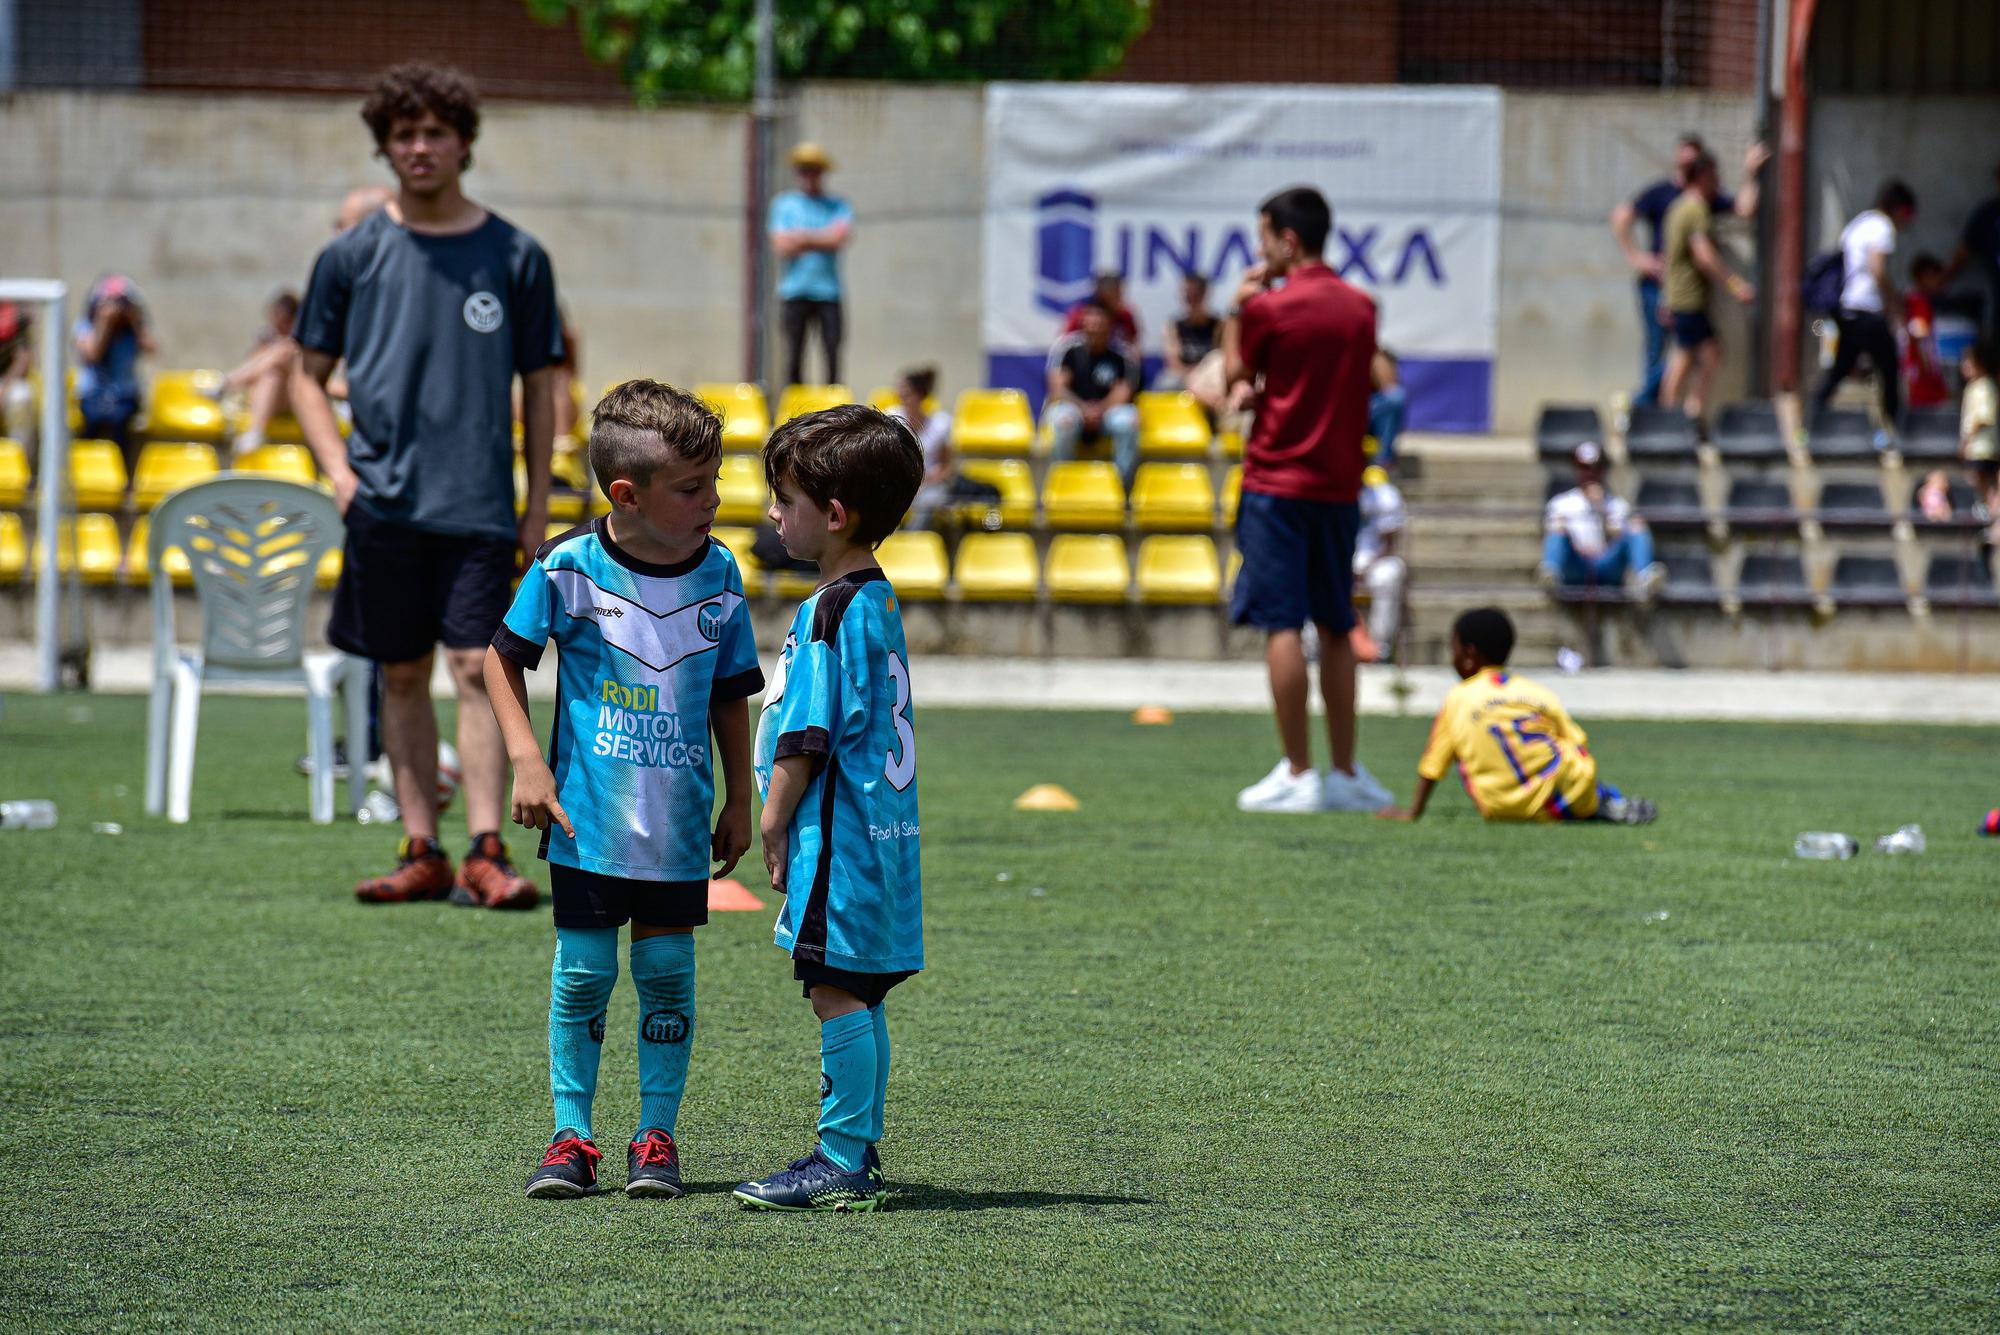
column 1306, row 341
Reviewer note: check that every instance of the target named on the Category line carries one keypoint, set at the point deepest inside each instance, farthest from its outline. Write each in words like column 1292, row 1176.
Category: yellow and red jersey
column 1521, row 755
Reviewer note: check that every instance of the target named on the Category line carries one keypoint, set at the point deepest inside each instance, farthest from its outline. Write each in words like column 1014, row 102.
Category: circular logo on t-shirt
column 709, row 622
column 482, row 312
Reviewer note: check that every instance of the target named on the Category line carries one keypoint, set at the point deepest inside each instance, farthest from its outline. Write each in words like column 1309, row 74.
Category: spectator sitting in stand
column 1378, row 568
column 1091, row 382
column 1923, row 376
column 943, row 485
column 1592, row 537
column 1109, row 292
column 17, row 396
column 265, row 377
column 110, row 338
column 1190, row 336
column 1386, row 406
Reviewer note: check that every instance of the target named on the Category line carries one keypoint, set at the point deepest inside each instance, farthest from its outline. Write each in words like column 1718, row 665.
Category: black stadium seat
column 1962, row 500
column 1564, row 426
column 1689, row 578
column 1748, row 433
column 1659, row 434
column 1669, row 502
column 1760, row 503
column 1930, row 435
column 1773, row 580
column 1867, row 580
column 1958, row 579
column 1852, row 505
column 1842, row 435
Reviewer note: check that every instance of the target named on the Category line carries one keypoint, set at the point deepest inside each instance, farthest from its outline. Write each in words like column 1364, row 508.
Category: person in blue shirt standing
column 1649, row 264
column 837, row 757
column 809, row 228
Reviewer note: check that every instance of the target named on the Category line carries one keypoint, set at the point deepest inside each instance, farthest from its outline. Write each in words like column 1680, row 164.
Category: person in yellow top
column 1521, row 755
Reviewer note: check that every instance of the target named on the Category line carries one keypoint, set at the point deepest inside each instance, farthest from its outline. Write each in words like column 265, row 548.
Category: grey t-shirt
column 434, row 330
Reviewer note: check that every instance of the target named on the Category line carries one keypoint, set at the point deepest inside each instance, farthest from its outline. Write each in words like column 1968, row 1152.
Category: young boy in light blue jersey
column 655, row 666
column 837, row 761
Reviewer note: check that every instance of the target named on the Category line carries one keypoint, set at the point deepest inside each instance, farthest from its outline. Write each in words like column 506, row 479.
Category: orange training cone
column 1046, row 797
column 731, row 896
column 1153, row 716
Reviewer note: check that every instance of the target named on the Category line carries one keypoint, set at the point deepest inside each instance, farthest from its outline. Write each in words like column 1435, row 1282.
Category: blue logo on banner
column 1065, row 249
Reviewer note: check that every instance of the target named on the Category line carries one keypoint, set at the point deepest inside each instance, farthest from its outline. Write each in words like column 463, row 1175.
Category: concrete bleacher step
column 1540, row 627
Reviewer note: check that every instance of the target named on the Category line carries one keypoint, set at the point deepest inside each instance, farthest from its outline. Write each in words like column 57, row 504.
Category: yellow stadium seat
column 293, row 463
column 1232, row 444
column 137, row 569
column 97, row 470
column 746, row 418
column 1088, row 568
column 13, row 474
column 89, row 545
column 1232, row 495
column 915, row 565
column 993, row 422
column 1016, row 482
column 166, row 467
column 744, row 497
column 1173, row 498
column 740, row 542
column 1181, row 569
column 285, row 430
column 567, row 505
column 179, row 408
column 13, row 549
column 1084, row 494
column 328, row 573
column 571, row 465
column 1172, row 425
column 810, row 399
column 997, row 568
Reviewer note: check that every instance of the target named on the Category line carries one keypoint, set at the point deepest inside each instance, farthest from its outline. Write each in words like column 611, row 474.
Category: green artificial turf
column 1172, row 1067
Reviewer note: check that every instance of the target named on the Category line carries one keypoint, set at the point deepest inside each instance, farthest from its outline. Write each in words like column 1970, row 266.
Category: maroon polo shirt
column 1313, row 340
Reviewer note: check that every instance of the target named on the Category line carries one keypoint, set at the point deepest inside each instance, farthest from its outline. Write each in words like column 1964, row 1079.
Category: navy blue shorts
column 1298, row 563
column 402, row 590
column 1692, row 329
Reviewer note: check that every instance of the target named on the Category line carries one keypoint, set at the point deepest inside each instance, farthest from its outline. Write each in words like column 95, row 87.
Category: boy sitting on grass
column 837, row 757
column 656, row 657
column 1520, row 755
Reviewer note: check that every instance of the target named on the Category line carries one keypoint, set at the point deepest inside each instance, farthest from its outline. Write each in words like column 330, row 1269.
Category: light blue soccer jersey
column 643, row 651
column 842, row 696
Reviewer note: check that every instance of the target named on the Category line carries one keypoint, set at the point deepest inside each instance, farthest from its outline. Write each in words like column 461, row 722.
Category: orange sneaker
column 487, row 879
column 424, row 872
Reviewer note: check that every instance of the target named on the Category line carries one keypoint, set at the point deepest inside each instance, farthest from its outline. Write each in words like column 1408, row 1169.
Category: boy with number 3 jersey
column 837, row 759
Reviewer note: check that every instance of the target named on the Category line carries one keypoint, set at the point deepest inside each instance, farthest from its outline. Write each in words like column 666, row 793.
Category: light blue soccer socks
column 881, row 1014
column 848, row 1121
column 663, row 974
column 586, row 969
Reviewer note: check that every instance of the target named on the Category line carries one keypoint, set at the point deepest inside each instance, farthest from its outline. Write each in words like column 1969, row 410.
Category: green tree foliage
column 707, row 48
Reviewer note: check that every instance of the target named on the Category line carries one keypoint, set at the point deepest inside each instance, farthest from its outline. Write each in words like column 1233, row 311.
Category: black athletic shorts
column 1692, row 329
column 870, row 987
column 592, row 899
column 402, row 590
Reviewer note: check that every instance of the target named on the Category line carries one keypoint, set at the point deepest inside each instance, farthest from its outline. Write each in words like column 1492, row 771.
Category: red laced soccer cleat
column 424, row 872
column 487, row 879
column 569, row 1169
column 653, row 1165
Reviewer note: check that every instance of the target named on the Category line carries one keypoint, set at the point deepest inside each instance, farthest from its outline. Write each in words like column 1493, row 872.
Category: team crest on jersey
column 709, row 621
column 483, row 312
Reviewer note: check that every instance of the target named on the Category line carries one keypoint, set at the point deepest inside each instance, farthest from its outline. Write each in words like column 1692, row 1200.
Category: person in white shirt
column 916, row 405
column 1592, row 538
column 1870, row 306
column 1377, row 567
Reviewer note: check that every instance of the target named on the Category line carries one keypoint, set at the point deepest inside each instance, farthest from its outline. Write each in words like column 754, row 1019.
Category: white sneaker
column 1360, row 791
column 1282, row 790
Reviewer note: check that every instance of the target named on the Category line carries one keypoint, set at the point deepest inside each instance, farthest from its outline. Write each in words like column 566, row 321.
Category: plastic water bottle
column 1909, row 839
column 34, row 814
column 1824, row 846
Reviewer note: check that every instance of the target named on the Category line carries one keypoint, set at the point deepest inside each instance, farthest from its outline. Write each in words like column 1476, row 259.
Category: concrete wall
column 1569, row 316
column 1945, row 147
column 212, row 203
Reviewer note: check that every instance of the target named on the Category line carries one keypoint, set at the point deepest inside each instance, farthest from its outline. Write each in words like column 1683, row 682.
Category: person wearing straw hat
column 809, row 228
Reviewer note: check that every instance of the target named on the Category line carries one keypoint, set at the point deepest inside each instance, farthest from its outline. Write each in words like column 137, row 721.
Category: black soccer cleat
column 1628, row 810
column 653, row 1165
column 816, row 1183
column 568, row 1170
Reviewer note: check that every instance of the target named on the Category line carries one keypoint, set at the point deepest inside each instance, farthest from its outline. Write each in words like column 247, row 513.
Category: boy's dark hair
column 406, row 92
column 1689, row 139
column 1300, row 209
column 286, row 301
column 865, row 459
column 640, row 424
column 923, row 379
column 1703, row 165
column 1895, row 195
column 1982, row 352
column 1924, row 263
column 1487, row 632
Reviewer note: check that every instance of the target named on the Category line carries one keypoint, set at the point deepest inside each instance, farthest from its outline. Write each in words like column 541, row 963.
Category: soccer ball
column 449, row 775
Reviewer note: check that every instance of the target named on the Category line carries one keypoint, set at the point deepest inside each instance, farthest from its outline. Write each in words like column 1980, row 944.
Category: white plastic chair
column 255, row 544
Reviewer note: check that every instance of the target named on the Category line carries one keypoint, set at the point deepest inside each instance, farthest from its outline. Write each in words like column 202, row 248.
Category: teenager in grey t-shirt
column 434, row 329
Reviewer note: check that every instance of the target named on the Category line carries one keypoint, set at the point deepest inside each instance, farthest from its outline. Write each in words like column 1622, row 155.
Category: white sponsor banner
column 1156, row 180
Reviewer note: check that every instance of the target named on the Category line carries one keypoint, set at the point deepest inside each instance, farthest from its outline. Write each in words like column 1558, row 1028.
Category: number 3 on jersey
column 899, row 766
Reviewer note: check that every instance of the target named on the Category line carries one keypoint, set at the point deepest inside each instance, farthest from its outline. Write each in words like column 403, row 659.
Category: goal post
column 49, row 300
